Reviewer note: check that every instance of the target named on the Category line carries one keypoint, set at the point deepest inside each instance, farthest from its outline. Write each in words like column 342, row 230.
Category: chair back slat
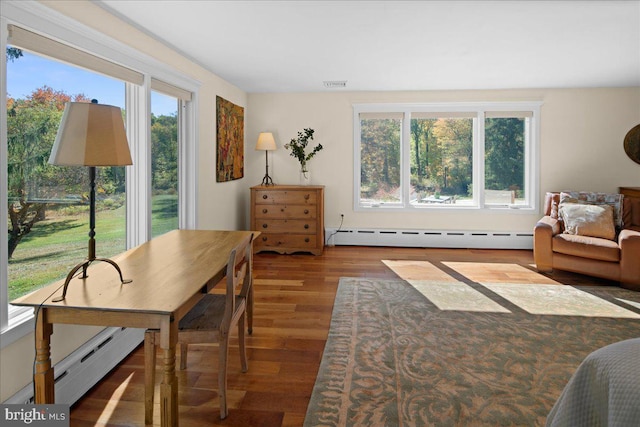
column 247, row 279
column 238, row 271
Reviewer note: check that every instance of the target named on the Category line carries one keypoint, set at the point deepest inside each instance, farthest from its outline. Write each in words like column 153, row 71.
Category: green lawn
column 54, row 246
column 164, row 214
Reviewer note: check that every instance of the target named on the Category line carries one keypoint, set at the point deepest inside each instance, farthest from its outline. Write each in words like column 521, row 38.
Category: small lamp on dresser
column 266, row 143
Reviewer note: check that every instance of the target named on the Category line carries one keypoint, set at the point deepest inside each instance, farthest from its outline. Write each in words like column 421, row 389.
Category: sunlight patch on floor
column 418, row 270
column 115, row 398
column 499, row 273
column 635, row 304
column 522, row 286
column 456, row 296
column 560, row 300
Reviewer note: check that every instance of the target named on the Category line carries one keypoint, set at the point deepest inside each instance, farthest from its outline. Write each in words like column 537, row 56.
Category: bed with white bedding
column 604, row 390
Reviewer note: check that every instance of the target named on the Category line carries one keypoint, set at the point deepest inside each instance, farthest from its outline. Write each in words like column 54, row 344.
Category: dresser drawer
column 277, row 241
column 286, row 226
column 285, row 211
column 294, row 197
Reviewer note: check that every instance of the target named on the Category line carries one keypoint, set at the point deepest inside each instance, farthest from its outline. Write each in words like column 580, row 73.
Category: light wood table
column 170, row 274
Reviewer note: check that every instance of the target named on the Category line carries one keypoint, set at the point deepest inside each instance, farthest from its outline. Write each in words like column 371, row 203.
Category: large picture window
column 48, row 206
column 45, row 206
column 446, row 156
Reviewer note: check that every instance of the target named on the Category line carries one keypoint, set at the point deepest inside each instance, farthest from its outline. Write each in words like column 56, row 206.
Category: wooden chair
column 210, row 321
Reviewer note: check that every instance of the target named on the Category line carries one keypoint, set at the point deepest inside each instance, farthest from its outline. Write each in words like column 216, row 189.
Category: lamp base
column 267, row 180
column 84, row 265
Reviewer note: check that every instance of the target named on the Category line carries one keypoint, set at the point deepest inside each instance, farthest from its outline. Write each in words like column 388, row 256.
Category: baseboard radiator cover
column 85, row 367
column 429, row 238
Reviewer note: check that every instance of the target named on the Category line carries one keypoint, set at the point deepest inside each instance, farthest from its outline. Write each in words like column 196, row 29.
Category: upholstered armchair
column 590, row 233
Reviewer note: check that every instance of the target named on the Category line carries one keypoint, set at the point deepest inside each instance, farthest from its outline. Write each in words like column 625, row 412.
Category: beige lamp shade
column 266, row 142
column 91, row 134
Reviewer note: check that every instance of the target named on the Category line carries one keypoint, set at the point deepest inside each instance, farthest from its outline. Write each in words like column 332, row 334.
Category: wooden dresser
column 290, row 218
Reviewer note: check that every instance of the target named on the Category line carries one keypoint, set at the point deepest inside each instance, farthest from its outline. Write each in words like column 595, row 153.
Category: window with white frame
column 454, row 156
column 167, row 120
column 60, row 193
column 47, row 204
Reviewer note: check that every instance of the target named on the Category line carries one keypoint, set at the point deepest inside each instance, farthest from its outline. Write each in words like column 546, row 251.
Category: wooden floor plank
column 294, row 297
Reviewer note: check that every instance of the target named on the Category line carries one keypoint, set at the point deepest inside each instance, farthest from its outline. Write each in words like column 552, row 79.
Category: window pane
column 164, row 163
column 504, row 160
column 48, row 205
column 441, row 155
column 380, row 158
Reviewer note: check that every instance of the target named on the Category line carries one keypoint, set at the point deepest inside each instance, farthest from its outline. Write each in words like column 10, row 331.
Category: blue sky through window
column 31, row 72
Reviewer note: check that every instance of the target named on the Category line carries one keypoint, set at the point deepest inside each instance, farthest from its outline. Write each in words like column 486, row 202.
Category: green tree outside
column 504, row 158
column 441, row 156
column 47, row 204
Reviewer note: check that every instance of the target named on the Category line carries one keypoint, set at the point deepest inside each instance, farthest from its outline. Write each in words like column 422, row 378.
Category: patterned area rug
column 394, row 358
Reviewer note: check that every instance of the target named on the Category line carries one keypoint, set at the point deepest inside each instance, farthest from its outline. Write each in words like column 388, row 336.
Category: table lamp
column 90, row 134
column 266, row 143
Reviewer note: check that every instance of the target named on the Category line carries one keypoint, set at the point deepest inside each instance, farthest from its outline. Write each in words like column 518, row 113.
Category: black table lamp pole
column 91, row 257
column 267, row 179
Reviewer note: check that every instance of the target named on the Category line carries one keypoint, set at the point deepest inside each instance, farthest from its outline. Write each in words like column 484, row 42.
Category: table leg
column 169, row 384
column 43, row 376
column 149, row 375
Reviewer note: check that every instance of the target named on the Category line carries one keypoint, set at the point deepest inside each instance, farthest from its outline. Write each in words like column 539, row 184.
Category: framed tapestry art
column 230, row 144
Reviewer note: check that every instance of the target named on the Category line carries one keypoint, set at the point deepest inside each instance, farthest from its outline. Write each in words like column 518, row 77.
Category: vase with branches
column 298, row 147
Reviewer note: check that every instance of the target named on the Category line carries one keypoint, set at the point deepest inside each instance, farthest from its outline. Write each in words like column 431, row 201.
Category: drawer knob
column 264, row 196
column 264, row 211
column 264, row 225
column 306, row 226
column 306, row 197
column 306, row 240
column 264, row 238
column 306, row 211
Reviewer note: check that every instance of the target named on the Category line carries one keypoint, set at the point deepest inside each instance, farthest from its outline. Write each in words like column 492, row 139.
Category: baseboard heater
column 429, row 238
column 85, row 367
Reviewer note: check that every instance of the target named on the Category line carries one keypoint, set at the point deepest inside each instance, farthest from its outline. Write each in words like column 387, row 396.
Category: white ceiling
column 293, row 46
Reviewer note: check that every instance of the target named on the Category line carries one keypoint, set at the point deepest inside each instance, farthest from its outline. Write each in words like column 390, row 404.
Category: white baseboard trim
column 430, row 238
column 77, row 373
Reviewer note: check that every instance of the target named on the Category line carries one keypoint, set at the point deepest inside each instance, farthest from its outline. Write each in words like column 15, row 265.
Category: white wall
column 582, row 133
column 218, row 206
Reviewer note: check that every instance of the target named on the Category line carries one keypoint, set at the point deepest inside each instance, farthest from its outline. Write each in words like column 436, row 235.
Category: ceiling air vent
column 335, row 83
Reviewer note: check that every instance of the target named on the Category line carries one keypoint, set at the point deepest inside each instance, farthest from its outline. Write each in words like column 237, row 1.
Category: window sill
column 500, row 209
column 19, row 326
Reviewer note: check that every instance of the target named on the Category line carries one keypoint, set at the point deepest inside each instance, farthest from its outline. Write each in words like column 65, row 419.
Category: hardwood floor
column 294, row 297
